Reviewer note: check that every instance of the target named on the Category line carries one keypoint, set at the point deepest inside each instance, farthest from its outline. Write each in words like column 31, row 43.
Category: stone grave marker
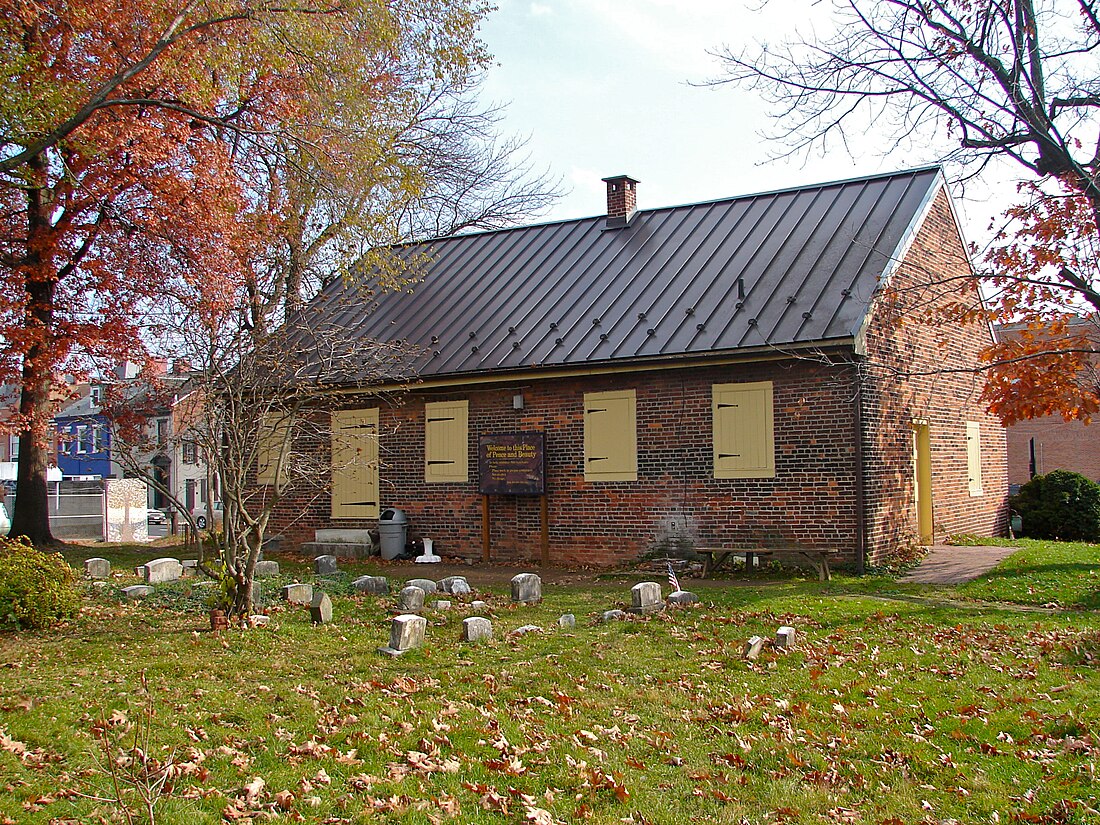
column 682, row 597
column 441, row 604
column 158, row 571
column 476, row 628
column 324, row 565
column 478, row 604
column 378, row 585
column 526, row 588
column 752, row 648
column 97, row 568
column 137, row 591
column 410, row 599
column 455, row 585
column 320, row 608
column 427, row 585
column 645, row 597
column 786, row 637
column 264, row 569
column 406, row 633
column 297, row 593
column 566, row 621
column 612, row 616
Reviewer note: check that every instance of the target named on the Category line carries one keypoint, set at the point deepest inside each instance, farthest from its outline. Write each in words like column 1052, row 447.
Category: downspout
column 861, row 509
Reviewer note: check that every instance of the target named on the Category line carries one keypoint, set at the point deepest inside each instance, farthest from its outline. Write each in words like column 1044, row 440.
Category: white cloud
column 540, row 10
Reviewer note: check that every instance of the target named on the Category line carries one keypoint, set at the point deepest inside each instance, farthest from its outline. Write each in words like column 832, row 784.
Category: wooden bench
column 715, row 557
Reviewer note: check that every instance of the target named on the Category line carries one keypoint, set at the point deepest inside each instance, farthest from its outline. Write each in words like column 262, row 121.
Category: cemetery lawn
column 900, row 704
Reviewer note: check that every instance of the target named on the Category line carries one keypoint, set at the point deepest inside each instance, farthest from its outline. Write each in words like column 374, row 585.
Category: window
column 610, row 436
column 190, row 452
column 744, row 438
column 97, row 438
column 355, row 464
column 13, row 447
column 162, row 430
column 81, row 445
column 271, row 441
column 446, row 431
column 974, row 457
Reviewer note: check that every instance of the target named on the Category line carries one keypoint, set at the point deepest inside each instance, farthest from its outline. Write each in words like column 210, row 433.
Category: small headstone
column 752, row 648
column 455, row 585
column 297, row 593
column 476, row 628
column 410, row 599
column 441, row 604
column 378, row 585
column 259, row 620
column 265, row 569
column 324, row 565
column 137, row 591
column 786, row 637
column 320, row 608
column 645, row 597
column 406, row 632
column 256, row 592
column 612, row 616
column 161, row 570
column 478, row 604
column 526, row 588
column 567, row 620
column 97, row 568
column 427, row 585
column 525, row 629
column 682, row 597
column 190, row 564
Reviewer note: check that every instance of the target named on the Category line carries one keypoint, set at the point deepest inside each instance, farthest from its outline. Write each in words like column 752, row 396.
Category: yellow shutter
column 744, row 439
column 355, row 464
column 270, row 442
column 974, row 457
column 610, row 436
column 446, row 451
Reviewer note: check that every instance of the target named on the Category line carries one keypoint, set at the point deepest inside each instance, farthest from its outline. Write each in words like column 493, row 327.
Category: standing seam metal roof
column 789, row 267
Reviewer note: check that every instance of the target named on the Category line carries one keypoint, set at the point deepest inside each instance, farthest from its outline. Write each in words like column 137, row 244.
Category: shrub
column 1059, row 505
column 37, row 589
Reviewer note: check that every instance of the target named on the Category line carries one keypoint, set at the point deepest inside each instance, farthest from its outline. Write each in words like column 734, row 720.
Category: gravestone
column 752, row 648
column 455, row 585
column 682, row 597
column 525, row 629
column 265, row 569
column 410, row 599
column 297, row 593
column 786, row 637
column 378, row 585
column 97, row 568
column 478, row 604
column 441, row 604
column 526, row 588
column 567, row 620
column 259, row 620
column 476, row 628
column 320, row 608
column 612, row 616
column 161, row 570
column 427, row 585
column 137, row 591
column 406, row 633
column 324, row 565
column 645, row 597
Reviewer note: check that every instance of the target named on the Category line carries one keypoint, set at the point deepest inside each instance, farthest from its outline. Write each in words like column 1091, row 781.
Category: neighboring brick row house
column 750, row 372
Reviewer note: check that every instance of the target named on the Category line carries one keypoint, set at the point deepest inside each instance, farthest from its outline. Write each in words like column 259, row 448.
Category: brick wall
column 920, row 371
column 1059, row 445
column 674, row 503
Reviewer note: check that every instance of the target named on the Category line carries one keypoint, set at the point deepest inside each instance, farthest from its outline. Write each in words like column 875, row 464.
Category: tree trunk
column 32, row 514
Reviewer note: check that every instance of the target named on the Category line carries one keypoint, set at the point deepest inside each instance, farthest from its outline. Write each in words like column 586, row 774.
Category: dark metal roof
column 789, row 267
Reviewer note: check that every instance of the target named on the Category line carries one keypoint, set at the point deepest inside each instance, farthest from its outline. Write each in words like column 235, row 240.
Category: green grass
column 888, row 711
column 1045, row 573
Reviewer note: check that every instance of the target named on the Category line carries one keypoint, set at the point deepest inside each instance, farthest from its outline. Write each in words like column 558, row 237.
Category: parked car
column 153, row 516
column 199, row 514
column 5, row 524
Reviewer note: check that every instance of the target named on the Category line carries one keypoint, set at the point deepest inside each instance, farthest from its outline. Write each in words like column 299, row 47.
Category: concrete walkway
column 955, row 565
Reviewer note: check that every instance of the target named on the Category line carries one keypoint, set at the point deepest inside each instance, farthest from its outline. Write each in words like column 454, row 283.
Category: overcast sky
column 604, row 87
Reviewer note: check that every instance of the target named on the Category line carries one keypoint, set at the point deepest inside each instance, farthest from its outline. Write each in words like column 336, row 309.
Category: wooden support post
column 545, row 522
column 485, row 528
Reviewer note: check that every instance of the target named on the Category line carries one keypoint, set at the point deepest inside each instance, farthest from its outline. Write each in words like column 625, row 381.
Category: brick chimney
column 622, row 200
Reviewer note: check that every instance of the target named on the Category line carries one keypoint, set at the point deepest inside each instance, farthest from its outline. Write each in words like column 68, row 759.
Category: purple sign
column 512, row 464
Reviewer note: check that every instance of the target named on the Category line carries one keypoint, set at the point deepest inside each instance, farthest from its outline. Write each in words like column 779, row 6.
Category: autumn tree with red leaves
column 216, row 152
column 1001, row 79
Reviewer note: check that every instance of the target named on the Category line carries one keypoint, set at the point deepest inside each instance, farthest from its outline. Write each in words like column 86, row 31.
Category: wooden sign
column 512, row 464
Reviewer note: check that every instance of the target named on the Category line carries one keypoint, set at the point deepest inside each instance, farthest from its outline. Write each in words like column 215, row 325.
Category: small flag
column 673, row 582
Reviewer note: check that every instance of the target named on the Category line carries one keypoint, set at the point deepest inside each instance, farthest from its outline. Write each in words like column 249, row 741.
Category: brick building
column 749, row 372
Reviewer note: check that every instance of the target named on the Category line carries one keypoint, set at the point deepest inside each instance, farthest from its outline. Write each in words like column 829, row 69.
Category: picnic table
column 715, row 557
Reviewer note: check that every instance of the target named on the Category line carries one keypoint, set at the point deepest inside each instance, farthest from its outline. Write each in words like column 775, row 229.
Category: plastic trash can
column 392, row 525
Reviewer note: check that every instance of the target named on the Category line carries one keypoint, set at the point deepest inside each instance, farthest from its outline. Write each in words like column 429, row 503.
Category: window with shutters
column 355, row 464
column 610, row 436
column 446, row 449
column 269, row 448
column 744, row 437
column 974, row 457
